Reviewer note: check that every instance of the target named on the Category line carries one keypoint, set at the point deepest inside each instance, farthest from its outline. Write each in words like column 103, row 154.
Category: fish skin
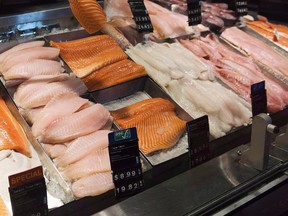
column 28, row 54
column 82, row 146
column 58, row 107
column 26, row 70
column 18, row 48
column 95, row 162
column 72, row 126
column 43, row 95
column 93, row 185
column 12, row 134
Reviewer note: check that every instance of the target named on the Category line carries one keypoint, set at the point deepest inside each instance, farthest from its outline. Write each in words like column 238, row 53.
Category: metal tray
column 130, row 92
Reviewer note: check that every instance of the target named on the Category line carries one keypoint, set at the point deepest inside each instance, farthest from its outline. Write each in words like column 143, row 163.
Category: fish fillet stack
column 70, row 128
column 237, row 71
column 99, row 61
column 258, row 50
column 276, row 33
column 158, row 126
column 27, row 60
column 166, row 23
column 191, row 82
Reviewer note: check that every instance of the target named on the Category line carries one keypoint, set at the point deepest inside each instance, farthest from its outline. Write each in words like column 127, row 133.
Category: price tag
column 258, row 98
column 241, row 7
column 198, row 140
column 28, row 193
column 141, row 16
column 125, row 162
column 194, row 12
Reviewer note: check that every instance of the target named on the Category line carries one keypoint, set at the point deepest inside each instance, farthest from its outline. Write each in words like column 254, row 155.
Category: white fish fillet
column 77, row 124
column 54, row 150
column 19, row 47
column 30, row 115
column 95, row 162
column 28, row 54
column 35, row 84
column 58, row 107
column 82, row 146
column 26, row 70
column 47, row 91
column 93, row 185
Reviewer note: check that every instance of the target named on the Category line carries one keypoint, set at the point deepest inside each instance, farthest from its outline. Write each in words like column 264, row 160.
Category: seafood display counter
column 69, row 89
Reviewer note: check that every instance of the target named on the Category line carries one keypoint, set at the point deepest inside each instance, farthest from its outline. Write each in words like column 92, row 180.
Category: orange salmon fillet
column 114, row 74
column 3, row 209
column 89, row 14
column 158, row 126
column 12, row 135
column 86, row 55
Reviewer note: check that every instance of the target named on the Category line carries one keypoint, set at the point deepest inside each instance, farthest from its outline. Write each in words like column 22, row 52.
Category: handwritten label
column 198, row 141
column 194, row 12
column 258, row 98
column 125, row 162
column 141, row 16
column 28, row 193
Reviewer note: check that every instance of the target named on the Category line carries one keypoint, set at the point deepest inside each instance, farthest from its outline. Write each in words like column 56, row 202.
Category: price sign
column 258, row 98
column 28, row 193
column 125, row 162
column 198, row 140
column 141, row 16
column 194, row 12
column 241, row 7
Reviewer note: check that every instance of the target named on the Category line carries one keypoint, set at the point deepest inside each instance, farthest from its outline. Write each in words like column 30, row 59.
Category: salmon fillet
column 158, row 126
column 89, row 14
column 114, row 74
column 89, row 54
column 12, row 135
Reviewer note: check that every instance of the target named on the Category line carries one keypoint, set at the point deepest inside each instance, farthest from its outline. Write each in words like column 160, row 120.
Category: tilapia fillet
column 93, row 185
column 90, row 54
column 12, row 135
column 158, row 126
column 113, row 74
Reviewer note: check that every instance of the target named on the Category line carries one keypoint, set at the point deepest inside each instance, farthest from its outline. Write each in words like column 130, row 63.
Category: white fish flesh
column 82, row 146
column 54, row 150
column 93, row 185
column 95, row 162
column 77, row 124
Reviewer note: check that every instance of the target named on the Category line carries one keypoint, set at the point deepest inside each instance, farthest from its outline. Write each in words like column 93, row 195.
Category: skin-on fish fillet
column 82, row 146
column 89, row 14
column 93, row 185
column 113, row 74
column 95, row 162
column 58, row 107
column 90, row 55
column 158, row 126
column 29, row 54
column 26, row 70
column 77, row 124
column 12, row 135
column 257, row 49
column 19, row 47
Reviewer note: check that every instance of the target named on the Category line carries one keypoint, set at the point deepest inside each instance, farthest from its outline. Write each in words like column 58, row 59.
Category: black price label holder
column 241, row 7
column 125, row 162
column 258, row 98
column 194, row 12
column 198, row 141
column 141, row 16
column 28, row 193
